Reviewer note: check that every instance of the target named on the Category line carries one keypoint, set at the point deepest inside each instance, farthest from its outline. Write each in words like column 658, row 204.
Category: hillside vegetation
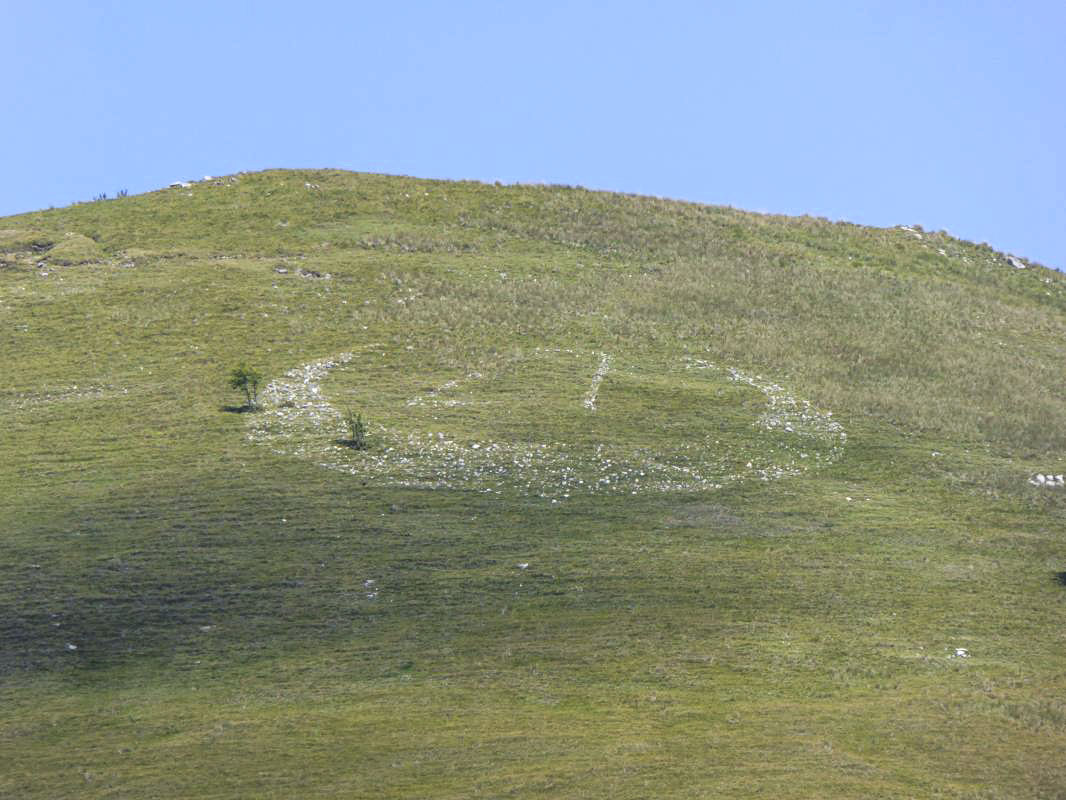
column 659, row 500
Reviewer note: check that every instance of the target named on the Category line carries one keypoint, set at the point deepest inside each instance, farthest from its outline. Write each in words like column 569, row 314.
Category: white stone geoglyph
column 298, row 420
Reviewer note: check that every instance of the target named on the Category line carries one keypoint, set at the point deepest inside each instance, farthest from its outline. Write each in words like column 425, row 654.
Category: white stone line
column 788, row 413
column 65, row 394
column 597, row 379
column 431, row 397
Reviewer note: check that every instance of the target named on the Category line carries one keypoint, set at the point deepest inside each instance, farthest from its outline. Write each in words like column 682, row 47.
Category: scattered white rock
column 180, row 185
column 60, row 394
column 1017, row 263
column 960, row 652
column 71, row 646
column 1049, row 480
column 523, row 565
column 432, row 397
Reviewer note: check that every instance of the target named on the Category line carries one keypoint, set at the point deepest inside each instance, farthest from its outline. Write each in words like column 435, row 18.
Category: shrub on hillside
column 246, row 379
column 356, row 430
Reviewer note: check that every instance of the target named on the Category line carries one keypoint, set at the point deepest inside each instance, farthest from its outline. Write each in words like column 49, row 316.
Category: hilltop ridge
column 876, row 287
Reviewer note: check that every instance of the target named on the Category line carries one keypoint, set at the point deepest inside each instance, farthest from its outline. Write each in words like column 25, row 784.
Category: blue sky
column 951, row 115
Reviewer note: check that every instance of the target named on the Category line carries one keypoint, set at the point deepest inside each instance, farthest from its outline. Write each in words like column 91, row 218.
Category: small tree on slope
column 247, row 379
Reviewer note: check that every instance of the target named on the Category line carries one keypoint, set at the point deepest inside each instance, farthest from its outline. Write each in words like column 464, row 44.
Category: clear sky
column 947, row 114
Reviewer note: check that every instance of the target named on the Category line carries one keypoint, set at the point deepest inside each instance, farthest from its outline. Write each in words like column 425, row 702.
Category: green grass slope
column 661, row 500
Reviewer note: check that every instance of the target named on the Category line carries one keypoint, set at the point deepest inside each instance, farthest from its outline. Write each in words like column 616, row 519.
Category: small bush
column 356, row 430
column 247, row 379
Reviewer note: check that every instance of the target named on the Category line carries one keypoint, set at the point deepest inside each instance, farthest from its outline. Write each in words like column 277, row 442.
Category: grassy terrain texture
column 659, row 500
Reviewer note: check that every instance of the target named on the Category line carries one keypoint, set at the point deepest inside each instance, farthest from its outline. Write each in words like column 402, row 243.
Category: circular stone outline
column 295, row 408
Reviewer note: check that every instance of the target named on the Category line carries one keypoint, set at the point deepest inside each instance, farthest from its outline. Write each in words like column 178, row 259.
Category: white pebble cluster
column 62, row 394
column 296, row 410
column 1050, row 481
column 433, row 397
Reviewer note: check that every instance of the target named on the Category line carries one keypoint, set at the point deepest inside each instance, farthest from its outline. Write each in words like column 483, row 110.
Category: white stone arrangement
column 299, row 421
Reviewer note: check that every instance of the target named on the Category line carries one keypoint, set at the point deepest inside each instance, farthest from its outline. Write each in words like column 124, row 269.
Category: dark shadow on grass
column 204, row 562
column 245, row 409
column 350, row 444
column 1060, row 578
column 211, row 565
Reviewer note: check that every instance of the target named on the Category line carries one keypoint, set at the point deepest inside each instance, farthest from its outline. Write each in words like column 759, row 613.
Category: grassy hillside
column 661, row 500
